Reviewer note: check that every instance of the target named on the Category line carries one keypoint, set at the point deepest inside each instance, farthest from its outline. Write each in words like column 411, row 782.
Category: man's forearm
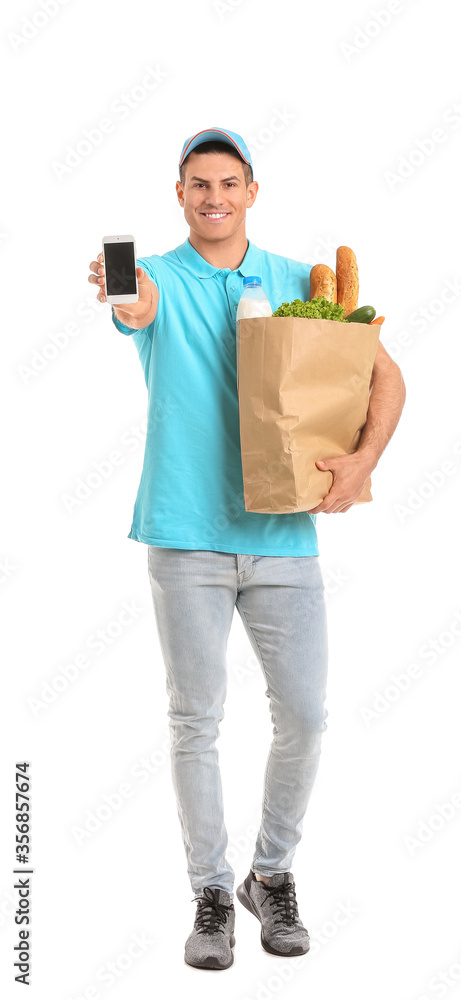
column 385, row 406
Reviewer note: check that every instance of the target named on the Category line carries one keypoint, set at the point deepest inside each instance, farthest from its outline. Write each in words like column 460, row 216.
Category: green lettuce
column 318, row 308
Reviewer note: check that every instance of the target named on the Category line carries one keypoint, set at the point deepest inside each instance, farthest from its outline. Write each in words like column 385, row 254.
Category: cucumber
column 363, row 315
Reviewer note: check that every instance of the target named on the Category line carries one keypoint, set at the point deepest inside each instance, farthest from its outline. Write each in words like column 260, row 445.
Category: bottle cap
column 254, row 280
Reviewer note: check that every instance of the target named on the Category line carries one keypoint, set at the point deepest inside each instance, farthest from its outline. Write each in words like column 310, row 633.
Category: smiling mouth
column 215, row 216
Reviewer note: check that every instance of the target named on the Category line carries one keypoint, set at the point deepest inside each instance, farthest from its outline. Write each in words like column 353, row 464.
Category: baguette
column 347, row 277
column 323, row 282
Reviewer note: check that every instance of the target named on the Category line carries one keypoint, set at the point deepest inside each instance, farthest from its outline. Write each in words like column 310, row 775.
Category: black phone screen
column 120, row 273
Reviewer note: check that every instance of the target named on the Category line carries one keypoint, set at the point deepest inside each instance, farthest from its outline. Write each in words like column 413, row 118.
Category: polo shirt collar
column 188, row 255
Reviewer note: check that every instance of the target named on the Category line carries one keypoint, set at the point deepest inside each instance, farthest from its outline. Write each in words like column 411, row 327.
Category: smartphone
column 120, row 269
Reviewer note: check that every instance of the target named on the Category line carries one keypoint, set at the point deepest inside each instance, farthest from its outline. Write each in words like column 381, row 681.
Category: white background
column 361, row 89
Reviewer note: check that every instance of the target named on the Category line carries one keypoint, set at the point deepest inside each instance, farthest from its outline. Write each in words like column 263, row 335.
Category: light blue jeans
column 281, row 603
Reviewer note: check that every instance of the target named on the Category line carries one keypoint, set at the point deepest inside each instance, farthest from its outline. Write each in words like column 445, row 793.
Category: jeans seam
column 267, row 682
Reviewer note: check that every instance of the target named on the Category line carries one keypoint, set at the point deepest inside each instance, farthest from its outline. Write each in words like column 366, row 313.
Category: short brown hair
column 217, row 147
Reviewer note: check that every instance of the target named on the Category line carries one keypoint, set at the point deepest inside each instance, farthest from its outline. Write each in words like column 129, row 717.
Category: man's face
column 215, row 185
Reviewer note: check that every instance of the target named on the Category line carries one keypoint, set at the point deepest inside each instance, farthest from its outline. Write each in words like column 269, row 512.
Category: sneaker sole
column 210, row 963
column 247, row 902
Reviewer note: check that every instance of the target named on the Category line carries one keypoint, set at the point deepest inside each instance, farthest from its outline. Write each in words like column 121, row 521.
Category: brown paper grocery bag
column 303, row 390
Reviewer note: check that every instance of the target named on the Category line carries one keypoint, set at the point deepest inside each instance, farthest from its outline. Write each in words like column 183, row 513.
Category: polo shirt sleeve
column 143, row 262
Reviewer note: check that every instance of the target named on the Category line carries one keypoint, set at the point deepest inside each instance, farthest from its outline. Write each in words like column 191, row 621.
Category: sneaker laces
column 282, row 900
column 211, row 915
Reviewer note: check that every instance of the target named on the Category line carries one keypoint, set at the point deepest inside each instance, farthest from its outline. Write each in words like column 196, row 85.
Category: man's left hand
column 350, row 474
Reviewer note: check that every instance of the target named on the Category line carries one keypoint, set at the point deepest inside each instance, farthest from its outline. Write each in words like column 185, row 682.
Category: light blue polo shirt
column 191, row 491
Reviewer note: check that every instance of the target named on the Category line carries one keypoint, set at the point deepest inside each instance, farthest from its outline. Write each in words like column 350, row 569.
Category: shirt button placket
column 232, row 289
column 229, row 289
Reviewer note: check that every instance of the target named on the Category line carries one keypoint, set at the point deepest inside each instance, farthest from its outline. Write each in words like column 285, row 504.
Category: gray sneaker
column 275, row 906
column 209, row 943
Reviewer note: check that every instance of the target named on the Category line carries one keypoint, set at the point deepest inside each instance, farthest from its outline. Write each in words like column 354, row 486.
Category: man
column 208, row 555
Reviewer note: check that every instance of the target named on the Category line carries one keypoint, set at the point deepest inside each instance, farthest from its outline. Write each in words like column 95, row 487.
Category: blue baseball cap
column 213, row 134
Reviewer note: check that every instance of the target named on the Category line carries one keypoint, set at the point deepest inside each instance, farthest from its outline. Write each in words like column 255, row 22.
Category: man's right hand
column 138, row 314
